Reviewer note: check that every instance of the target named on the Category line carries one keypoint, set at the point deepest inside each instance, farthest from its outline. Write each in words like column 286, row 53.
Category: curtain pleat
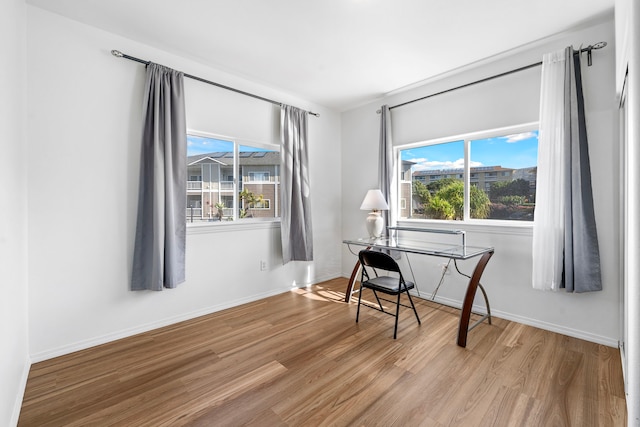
column 387, row 176
column 159, row 252
column 565, row 242
column 548, row 228
column 582, row 255
column 295, row 226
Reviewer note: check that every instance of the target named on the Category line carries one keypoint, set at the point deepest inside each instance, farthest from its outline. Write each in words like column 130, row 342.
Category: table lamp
column 374, row 201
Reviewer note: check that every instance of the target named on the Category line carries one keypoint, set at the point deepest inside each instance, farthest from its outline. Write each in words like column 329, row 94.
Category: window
column 263, row 204
column 501, row 167
column 258, row 176
column 230, row 181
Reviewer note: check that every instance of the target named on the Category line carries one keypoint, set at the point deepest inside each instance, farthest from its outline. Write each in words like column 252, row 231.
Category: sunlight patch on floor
column 319, row 293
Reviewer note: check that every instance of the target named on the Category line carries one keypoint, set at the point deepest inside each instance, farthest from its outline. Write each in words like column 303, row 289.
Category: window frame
column 266, row 174
column 266, row 202
column 467, row 138
column 237, row 222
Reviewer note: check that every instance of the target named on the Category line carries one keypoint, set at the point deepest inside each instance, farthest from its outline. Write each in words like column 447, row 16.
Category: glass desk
column 403, row 239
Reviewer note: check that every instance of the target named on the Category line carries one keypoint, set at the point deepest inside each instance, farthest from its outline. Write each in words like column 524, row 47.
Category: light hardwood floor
column 299, row 359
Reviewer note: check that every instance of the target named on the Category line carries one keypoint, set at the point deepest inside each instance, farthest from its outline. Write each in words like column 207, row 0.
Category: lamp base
column 375, row 224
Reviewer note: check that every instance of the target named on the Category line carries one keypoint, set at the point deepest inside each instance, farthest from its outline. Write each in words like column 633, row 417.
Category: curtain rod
column 200, row 79
column 587, row 49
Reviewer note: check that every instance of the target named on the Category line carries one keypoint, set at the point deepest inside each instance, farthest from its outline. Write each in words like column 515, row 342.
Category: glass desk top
column 417, row 246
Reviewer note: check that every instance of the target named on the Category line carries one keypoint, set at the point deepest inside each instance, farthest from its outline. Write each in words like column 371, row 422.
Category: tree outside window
column 501, row 170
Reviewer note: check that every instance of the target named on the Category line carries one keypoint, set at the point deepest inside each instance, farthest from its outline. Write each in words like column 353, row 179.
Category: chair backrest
column 376, row 259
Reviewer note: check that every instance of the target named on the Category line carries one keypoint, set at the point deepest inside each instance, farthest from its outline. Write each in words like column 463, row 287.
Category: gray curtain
column 581, row 253
column 159, row 252
column 386, row 172
column 297, row 238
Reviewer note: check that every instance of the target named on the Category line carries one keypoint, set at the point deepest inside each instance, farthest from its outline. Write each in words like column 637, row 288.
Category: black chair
column 386, row 284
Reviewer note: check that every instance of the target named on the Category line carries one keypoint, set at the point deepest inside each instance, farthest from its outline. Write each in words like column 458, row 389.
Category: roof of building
column 254, row 158
column 460, row 170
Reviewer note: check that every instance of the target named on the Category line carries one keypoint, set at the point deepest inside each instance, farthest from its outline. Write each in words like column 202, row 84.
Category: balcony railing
column 194, row 185
column 195, row 212
column 199, row 186
column 199, row 214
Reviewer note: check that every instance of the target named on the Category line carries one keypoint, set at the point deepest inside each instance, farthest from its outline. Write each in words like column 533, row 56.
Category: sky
column 512, row 151
column 202, row 145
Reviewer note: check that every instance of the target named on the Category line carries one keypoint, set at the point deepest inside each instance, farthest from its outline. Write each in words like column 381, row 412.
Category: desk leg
column 465, row 314
column 352, row 280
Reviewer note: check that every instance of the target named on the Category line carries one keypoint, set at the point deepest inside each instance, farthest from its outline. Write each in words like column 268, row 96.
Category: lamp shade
column 374, row 200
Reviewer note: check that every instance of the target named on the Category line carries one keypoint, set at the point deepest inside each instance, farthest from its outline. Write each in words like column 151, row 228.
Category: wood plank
column 299, row 358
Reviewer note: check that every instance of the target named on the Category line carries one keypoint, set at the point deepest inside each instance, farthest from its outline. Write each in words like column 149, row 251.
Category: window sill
column 516, row 228
column 232, row 226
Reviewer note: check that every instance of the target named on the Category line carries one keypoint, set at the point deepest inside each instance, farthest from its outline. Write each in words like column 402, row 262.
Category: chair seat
column 387, row 284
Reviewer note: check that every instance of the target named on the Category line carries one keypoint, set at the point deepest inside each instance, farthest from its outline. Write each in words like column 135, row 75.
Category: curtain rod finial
column 599, row 45
column 117, row 53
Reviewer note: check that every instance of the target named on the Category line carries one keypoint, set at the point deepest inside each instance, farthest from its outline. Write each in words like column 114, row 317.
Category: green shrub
column 440, row 209
column 512, row 200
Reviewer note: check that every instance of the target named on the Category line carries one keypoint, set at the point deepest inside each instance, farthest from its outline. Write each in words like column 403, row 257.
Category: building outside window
column 213, row 192
column 501, row 167
column 259, row 176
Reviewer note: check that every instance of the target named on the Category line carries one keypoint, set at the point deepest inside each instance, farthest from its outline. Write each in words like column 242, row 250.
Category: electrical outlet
column 263, row 265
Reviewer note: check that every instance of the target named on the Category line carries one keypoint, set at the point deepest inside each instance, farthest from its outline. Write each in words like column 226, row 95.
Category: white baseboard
column 320, row 279
column 575, row 333
column 623, row 361
column 327, row 277
column 17, row 406
column 82, row 345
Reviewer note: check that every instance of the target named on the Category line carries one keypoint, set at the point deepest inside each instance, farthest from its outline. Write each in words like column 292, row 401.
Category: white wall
column 627, row 65
column 14, row 356
column 633, row 298
column 84, row 127
column 507, row 101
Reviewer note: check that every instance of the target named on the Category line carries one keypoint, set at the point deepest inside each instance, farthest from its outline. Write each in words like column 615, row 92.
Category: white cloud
column 519, row 137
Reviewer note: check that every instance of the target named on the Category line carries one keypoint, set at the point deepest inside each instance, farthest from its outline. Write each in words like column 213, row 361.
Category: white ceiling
column 337, row 53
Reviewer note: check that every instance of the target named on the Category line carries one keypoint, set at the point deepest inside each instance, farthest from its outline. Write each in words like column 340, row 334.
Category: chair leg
column 414, row 307
column 378, row 299
column 359, row 300
column 395, row 328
